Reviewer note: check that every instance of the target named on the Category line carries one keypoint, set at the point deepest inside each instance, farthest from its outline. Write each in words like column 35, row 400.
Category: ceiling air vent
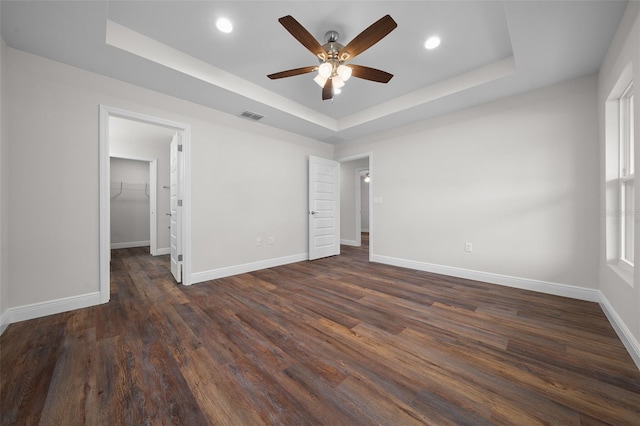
column 251, row 115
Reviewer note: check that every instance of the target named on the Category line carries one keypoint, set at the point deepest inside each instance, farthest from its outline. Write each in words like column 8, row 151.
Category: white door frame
column 104, row 206
column 368, row 155
column 153, row 202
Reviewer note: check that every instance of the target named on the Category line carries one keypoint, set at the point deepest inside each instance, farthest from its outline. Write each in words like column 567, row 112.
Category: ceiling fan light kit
column 344, row 72
column 338, row 83
column 332, row 71
column 320, row 80
column 325, row 70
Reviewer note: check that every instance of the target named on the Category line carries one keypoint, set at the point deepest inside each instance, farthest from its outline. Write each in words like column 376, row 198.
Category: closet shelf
column 128, row 186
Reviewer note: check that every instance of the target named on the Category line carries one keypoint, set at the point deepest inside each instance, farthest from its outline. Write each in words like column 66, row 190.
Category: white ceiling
column 490, row 49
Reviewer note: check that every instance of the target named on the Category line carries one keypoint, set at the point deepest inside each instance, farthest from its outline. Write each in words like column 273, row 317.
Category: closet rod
column 120, row 187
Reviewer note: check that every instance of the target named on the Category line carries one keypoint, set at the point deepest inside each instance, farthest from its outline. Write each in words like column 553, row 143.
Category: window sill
column 624, row 271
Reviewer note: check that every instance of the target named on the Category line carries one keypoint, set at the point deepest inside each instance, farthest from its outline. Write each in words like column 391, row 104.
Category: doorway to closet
column 144, row 190
column 134, row 199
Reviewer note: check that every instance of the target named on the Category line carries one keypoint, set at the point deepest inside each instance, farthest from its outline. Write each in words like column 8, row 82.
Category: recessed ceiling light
column 224, row 25
column 432, row 42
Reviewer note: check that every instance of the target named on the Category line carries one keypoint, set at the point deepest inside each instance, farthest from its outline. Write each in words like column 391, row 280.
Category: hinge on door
column 180, row 148
column 179, row 203
column 179, row 258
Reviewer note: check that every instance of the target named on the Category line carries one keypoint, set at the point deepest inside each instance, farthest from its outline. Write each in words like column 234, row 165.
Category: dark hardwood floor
column 336, row 341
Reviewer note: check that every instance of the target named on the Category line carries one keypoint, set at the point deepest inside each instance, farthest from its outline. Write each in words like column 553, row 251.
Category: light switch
column 377, row 200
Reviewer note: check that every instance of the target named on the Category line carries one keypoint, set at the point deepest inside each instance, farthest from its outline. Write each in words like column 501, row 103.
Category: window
column 619, row 173
column 626, row 177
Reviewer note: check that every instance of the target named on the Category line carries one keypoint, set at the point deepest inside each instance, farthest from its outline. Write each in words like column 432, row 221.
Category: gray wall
column 4, row 192
column 515, row 177
column 129, row 203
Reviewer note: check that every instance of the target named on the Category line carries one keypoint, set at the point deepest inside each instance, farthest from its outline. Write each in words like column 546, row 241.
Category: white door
column 324, row 208
column 175, row 194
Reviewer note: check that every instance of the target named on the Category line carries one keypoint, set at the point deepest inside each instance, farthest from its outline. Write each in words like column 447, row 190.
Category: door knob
column 313, row 212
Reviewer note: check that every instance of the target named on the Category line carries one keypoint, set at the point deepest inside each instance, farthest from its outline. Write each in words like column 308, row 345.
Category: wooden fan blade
column 327, row 90
column 371, row 74
column 367, row 38
column 292, row 72
column 302, row 35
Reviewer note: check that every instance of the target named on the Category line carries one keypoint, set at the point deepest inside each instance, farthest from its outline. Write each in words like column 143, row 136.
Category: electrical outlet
column 258, row 241
column 468, row 247
column 272, row 240
column 377, row 201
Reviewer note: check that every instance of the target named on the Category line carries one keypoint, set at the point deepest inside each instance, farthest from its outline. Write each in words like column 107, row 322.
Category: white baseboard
column 162, row 251
column 365, row 230
column 625, row 335
column 49, row 307
column 130, row 244
column 581, row 293
column 213, row 274
column 349, row 243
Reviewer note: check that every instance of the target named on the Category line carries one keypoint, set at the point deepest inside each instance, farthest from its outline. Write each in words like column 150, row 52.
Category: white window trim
column 626, row 175
column 614, row 178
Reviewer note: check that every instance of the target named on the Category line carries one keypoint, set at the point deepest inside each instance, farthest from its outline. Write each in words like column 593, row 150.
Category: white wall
column 623, row 298
column 248, row 180
column 4, row 193
column 348, row 199
column 250, row 185
column 130, row 220
column 515, row 177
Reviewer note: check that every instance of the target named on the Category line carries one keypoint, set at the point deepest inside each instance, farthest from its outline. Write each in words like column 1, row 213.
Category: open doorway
column 133, row 136
column 132, row 143
column 356, row 214
column 133, row 203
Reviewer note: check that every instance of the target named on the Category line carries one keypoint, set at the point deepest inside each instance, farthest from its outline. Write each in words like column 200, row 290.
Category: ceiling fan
column 332, row 71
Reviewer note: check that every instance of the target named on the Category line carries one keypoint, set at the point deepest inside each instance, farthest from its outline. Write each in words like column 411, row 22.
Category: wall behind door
column 129, row 203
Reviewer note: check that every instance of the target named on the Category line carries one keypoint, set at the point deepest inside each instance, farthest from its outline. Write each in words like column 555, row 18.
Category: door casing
column 104, row 193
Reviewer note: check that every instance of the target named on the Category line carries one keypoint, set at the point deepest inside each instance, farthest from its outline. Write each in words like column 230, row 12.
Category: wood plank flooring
column 337, row 341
